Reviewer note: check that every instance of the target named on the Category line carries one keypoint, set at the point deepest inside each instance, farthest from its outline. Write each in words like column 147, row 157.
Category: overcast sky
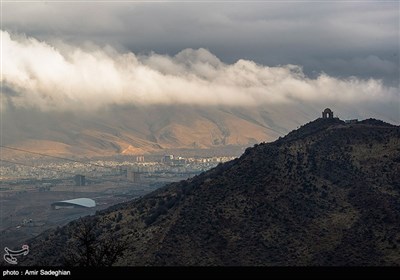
column 360, row 38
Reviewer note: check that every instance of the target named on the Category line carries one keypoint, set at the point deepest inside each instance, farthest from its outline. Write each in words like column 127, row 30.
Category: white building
column 74, row 203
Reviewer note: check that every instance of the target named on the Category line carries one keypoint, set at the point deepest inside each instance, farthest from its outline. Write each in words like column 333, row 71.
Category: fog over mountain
column 64, row 77
column 139, row 77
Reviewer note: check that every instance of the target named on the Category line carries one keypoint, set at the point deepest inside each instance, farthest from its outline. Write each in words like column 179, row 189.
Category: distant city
column 30, row 187
column 97, row 169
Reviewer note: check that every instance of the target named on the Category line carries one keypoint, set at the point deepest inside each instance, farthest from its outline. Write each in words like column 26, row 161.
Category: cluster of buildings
column 131, row 170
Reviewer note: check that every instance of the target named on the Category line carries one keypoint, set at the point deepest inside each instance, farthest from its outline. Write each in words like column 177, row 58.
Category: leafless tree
column 86, row 248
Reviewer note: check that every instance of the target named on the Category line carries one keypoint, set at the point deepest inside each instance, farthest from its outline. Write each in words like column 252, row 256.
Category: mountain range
column 150, row 129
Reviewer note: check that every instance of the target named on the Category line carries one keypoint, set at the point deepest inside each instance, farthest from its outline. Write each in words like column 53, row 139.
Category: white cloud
column 311, row 34
column 65, row 77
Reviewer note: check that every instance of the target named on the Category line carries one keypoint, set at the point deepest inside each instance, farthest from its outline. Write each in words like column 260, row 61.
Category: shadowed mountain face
column 326, row 194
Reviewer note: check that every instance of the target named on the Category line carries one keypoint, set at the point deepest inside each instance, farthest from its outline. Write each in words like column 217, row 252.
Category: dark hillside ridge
column 325, row 194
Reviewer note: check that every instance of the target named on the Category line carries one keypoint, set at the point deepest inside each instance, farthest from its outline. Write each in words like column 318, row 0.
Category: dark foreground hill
column 326, row 194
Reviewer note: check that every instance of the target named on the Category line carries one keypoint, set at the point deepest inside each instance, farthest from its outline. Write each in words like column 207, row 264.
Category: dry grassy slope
column 140, row 130
column 326, row 194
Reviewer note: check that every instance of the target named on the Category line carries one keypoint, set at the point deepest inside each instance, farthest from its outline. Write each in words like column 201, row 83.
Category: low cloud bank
column 64, row 77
